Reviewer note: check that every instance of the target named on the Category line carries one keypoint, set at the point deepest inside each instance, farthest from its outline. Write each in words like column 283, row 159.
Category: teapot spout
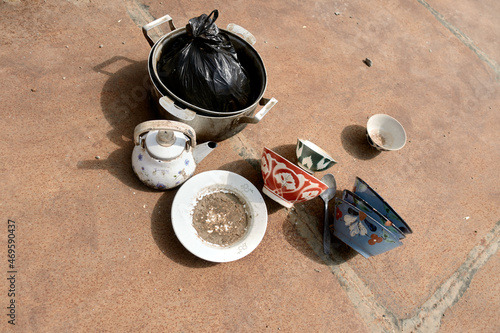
column 202, row 150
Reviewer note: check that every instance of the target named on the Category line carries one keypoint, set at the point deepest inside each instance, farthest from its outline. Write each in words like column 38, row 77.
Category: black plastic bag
column 203, row 69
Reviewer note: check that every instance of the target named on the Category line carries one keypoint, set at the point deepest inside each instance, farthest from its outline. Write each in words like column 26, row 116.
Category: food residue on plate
column 220, row 218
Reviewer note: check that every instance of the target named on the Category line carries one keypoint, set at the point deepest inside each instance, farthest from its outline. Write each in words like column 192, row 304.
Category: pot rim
column 163, row 90
column 222, row 116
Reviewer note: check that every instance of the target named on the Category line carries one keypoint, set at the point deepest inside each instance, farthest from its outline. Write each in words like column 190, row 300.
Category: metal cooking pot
column 208, row 124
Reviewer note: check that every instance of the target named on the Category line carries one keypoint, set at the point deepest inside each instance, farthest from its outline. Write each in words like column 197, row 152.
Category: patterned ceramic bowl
column 368, row 194
column 286, row 183
column 312, row 158
column 374, row 214
column 361, row 232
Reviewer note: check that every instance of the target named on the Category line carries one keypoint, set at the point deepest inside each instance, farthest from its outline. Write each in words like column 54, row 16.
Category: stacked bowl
column 366, row 222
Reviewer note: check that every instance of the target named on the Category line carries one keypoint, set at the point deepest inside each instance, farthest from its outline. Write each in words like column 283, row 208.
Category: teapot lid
column 165, row 145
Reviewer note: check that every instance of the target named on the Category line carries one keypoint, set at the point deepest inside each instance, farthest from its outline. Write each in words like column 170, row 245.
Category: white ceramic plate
column 211, row 181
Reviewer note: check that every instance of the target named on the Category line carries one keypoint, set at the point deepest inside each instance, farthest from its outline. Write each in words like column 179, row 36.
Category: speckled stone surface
column 95, row 249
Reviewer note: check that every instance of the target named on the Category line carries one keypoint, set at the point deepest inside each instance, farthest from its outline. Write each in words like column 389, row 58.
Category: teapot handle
column 164, row 125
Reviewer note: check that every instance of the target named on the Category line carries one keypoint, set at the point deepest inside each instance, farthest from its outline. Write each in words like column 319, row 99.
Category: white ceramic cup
column 385, row 133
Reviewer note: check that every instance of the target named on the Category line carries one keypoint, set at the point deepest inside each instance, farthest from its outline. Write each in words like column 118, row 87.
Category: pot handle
column 164, row 125
column 175, row 110
column 234, row 28
column 268, row 105
column 155, row 24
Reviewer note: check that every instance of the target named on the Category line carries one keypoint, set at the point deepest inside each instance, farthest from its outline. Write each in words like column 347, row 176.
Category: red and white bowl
column 285, row 182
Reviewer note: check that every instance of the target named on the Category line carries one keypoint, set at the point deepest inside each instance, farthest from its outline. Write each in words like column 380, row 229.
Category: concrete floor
column 95, row 249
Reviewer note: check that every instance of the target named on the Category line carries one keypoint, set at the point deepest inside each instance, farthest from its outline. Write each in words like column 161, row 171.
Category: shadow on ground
column 312, row 216
column 165, row 238
column 354, row 142
column 125, row 103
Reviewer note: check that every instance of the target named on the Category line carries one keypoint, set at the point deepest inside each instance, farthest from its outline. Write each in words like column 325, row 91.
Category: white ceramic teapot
column 166, row 154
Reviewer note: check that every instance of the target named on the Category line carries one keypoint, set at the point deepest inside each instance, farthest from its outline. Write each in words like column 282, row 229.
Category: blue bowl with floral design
column 365, row 192
column 361, row 232
column 366, row 208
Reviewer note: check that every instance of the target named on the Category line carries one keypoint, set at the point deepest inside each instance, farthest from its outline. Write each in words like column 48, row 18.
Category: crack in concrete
column 138, row 12
column 246, row 152
column 463, row 38
column 140, row 15
column 449, row 293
